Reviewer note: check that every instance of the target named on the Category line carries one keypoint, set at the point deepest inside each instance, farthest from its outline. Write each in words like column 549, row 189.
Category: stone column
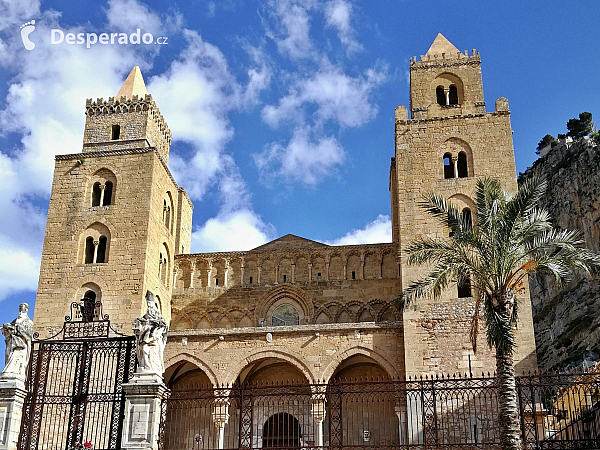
column 95, row 251
column 259, row 271
column 402, row 425
column 318, row 412
column 102, row 187
column 447, row 92
column 221, row 417
column 225, row 280
column 293, row 273
column 208, row 272
column 327, row 270
column 175, row 275
column 192, row 269
column 454, row 160
column 361, row 275
column 345, row 268
column 310, row 272
column 276, row 269
column 242, row 274
column 12, row 397
column 144, row 395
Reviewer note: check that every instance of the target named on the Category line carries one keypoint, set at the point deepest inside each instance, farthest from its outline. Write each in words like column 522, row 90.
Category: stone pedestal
column 12, row 397
column 143, row 399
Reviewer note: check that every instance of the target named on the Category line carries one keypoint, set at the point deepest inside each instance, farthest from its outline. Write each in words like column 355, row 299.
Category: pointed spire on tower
column 441, row 45
column 134, row 85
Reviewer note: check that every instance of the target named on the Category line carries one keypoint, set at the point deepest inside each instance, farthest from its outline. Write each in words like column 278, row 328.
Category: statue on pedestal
column 151, row 333
column 18, row 335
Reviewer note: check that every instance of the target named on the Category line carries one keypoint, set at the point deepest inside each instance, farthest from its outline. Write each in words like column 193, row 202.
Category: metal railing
column 557, row 411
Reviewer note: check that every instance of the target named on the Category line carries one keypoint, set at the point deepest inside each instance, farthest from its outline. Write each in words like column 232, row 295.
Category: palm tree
column 509, row 238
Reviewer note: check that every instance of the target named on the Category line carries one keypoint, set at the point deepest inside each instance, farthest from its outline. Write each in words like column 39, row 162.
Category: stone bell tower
column 448, row 142
column 116, row 218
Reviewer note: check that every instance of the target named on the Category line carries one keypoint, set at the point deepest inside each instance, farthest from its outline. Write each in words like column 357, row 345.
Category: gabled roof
column 441, row 45
column 134, row 85
column 289, row 241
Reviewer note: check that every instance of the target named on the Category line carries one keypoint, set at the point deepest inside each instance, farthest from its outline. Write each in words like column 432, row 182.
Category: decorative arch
column 186, row 357
column 164, row 264
column 276, row 353
column 456, row 150
column 102, row 187
column 285, row 294
column 452, row 88
column 94, row 244
column 168, row 212
column 341, row 356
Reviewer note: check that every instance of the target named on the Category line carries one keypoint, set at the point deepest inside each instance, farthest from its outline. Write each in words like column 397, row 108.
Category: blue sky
column 281, row 111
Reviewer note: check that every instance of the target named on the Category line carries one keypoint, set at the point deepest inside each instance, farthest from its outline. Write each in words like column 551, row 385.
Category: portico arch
column 372, row 354
column 185, row 362
column 275, row 355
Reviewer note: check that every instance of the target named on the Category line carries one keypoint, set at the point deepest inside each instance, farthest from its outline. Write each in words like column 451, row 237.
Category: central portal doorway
column 281, row 431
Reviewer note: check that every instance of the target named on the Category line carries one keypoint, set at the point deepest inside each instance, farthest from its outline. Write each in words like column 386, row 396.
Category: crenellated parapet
column 136, row 120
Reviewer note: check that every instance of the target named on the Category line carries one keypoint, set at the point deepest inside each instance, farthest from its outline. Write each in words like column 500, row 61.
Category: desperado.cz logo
column 58, row 36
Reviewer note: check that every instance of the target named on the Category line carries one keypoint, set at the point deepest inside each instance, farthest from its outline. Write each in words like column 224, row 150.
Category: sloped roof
column 289, row 241
column 441, row 45
column 134, row 85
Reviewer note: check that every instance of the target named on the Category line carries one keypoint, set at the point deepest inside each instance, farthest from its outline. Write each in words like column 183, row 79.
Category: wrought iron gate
column 74, row 391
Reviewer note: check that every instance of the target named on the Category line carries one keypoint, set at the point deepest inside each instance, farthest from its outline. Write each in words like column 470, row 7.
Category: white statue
column 18, row 335
column 151, row 333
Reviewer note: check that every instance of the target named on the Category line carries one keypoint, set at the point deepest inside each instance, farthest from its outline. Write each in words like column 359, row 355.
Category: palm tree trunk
column 510, row 427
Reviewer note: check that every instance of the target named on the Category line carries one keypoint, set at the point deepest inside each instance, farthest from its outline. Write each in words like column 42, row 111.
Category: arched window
column 101, row 254
column 448, row 166
column 463, row 169
column 285, row 315
column 104, row 183
column 453, row 95
column 168, row 212
column 107, row 198
column 163, row 264
column 89, row 250
column 440, row 95
column 467, row 217
column 464, row 287
column 96, row 193
column 95, row 244
column 88, row 306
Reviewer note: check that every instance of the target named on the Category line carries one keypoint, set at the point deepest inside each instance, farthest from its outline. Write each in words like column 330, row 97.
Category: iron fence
column 558, row 411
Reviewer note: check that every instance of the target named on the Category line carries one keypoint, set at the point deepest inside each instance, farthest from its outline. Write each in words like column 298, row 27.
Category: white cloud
column 239, row 230
column 128, row 15
column 14, row 13
column 380, row 230
column 292, row 27
column 303, row 159
column 337, row 14
column 336, row 95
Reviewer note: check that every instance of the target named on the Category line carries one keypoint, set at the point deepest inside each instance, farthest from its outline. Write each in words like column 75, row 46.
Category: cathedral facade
column 293, row 308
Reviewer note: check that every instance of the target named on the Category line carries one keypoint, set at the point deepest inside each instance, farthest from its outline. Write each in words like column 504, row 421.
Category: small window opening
column 115, row 132
column 160, row 265
column 101, row 255
column 353, row 275
column 440, row 95
column 319, row 276
column 284, row 278
column 448, row 166
column 467, row 218
column 463, row 171
column 96, row 192
column 108, row 189
column 453, row 95
column 216, row 281
column 464, row 287
column 399, row 270
column 88, row 306
column 250, row 282
column 89, row 250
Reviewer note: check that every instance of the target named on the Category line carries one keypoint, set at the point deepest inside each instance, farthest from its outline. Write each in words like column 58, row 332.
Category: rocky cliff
column 567, row 321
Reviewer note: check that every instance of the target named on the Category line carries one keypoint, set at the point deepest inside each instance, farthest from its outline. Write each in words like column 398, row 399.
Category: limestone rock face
column 567, row 321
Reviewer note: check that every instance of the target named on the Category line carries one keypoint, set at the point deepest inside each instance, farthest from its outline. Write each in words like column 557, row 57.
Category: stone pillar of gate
column 143, row 411
column 12, row 397
column 318, row 412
